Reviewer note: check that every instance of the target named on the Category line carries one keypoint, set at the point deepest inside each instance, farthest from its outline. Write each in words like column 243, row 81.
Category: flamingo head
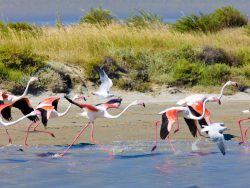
column 79, row 97
column 214, row 99
column 32, row 79
column 231, row 83
column 138, row 102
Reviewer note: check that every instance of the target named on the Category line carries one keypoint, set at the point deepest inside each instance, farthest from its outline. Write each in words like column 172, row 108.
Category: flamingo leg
column 97, row 143
column 172, row 147
column 245, row 133
column 243, row 138
column 156, row 138
column 27, row 134
column 47, row 132
column 10, row 140
column 76, row 137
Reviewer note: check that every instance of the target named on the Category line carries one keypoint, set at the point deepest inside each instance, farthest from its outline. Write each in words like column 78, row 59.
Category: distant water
column 133, row 166
column 44, row 12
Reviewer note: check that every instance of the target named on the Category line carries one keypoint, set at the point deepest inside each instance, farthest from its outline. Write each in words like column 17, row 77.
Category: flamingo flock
column 192, row 109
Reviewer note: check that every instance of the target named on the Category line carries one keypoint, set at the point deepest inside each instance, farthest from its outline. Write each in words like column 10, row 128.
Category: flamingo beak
column 143, row 104
column 153, row 148
column 84, row 98
column 237, row 85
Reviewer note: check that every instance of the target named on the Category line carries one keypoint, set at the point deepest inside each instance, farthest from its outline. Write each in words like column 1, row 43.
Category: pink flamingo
column 5, row 113
column 170, row 117
column 21, row 102
column 195, row 104
column 100, row 111
column 244, row 135
column 48, row 109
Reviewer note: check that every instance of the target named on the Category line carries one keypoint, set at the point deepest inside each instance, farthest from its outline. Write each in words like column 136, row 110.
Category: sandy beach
column 135, row 124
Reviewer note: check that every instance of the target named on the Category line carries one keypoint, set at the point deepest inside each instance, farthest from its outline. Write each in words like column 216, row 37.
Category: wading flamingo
column 48, row 109
column 170, row 117
column 21, row 102
column 215, row 133
column 106, row 84
column 91, row 113
column 5, row 113
column 195, row 104
column 244, row 133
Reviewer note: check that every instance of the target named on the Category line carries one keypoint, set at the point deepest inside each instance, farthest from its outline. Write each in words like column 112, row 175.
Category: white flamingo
column 106, row 84
column 91, row 113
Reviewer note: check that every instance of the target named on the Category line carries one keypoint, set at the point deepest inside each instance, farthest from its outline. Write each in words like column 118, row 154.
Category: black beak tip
column 144, row 105
column 219, row 102
column 84, row 99
column 153, row 148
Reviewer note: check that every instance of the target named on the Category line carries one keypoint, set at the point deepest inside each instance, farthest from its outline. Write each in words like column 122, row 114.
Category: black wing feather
column 55, row 104
column 195, row 113
column 25, row 109
column 44, row 116
column 191, row 125
column 6, row 113
column 164, row 127
column 71, row 101
column 112, row 101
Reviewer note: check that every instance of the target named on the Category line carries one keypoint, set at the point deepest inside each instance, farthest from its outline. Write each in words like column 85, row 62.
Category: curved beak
column 219, row 102
column 84, row 98
column 143, row 104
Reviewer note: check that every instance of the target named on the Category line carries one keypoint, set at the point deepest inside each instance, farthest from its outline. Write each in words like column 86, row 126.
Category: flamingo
column 5, row 113
column 244, row 135
column 170, row 117
column 106, row 84
column 215, row 132
column 48, row 109
column 21, row 102
column 91, row 113
column 195, row 104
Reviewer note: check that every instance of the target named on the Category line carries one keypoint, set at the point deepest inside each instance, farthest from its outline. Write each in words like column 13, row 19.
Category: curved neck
column 107, row 115
column 13, row 122
column 26, row 89
column 222, row 90
column 66, row 111
column 203, row 111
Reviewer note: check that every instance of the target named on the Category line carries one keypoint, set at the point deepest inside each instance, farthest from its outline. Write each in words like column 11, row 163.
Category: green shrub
column 21, row 59
column 221, row 18
column 186, row 73
column 98, row 16
column 214, row 74
column 144, row 19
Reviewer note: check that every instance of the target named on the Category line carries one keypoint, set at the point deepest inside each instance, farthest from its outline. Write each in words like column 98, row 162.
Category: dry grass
column 83, row 43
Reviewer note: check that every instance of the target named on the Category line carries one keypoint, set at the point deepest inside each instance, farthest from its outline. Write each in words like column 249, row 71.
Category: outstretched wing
column 6, row 113
column 113, row 103
column 106, row 82
column 192, row 126
column 220, row 144
column 24, row 105
column 195, row 113
column 164, row 127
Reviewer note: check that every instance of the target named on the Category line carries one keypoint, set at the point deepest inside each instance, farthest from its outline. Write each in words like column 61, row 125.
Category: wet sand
column 135, row 124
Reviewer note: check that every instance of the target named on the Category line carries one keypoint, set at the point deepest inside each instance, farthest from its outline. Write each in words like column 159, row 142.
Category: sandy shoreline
column 135, row 124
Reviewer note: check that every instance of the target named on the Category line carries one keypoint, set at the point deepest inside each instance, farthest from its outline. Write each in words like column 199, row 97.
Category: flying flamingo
column 21, row 102
column 170, row 117
column 106, row 84
column 244, row 136
column 195, row 104
column 5, row 113
column 91, row 113
column 48, row 109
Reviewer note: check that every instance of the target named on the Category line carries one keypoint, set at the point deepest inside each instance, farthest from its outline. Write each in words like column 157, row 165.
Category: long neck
column 26, row 89
column 203, row 111
column 107, row 115
column 221, row 91
column 66, row 111
column 13, row 122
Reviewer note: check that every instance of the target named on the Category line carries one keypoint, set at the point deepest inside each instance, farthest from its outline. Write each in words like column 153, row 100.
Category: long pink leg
column 77, row 136
column 96, row 142
column 156, row 135
column 27, row 134
column 246, row 135
column 47, row 132
column 10, row 140
column 241, row 132
column 172, row 147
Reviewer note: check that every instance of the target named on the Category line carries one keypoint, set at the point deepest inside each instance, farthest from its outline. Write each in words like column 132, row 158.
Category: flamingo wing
column 113, row 103
column 43, row 116
column 26, row 108
column 164, row 127
column 192, row 126
column 106, row 82
column 55, row 104
column 195, row 113
column 6, row 112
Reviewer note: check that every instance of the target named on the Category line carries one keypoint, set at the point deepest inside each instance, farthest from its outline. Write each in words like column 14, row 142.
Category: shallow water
column 132, row 166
